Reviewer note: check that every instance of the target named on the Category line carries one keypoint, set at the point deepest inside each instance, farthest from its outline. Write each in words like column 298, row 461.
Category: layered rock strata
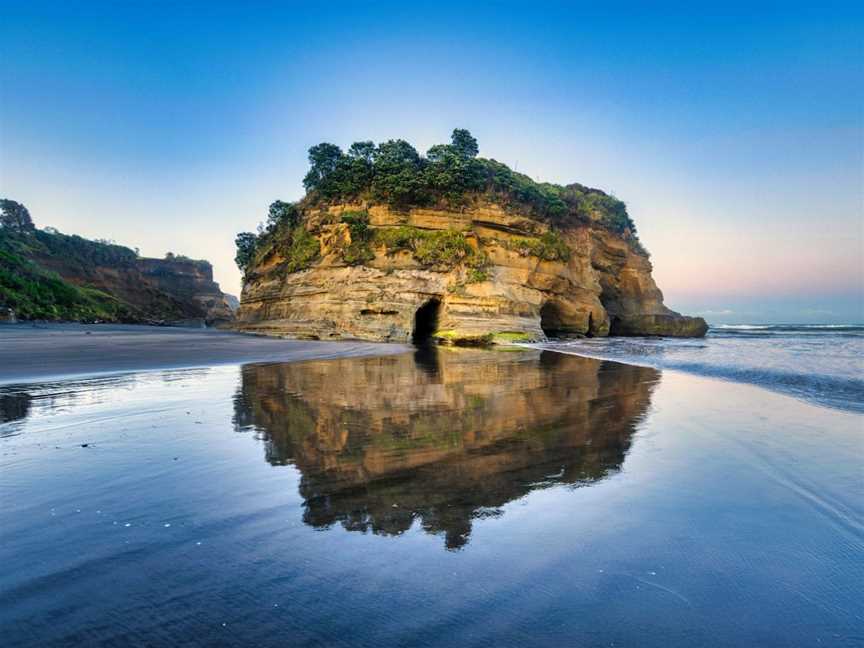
column 601, row 286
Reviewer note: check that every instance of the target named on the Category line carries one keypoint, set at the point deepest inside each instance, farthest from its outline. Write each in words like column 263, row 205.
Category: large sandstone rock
column 604, row 288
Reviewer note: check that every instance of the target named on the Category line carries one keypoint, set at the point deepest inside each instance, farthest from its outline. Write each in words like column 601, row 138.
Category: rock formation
column 516, row 278
column 389, row 245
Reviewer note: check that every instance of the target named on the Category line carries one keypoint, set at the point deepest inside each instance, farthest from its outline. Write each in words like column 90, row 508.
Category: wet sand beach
column 428, row 497
column 38, row 351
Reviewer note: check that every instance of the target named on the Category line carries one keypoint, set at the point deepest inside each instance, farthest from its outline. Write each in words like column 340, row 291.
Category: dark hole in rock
column 550, row 320
column 425, row 322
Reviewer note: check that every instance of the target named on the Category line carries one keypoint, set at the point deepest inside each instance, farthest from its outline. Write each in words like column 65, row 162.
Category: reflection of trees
column 443, row 437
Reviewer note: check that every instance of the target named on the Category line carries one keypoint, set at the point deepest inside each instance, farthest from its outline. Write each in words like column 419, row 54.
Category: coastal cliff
column 191, row 282
column 503, row 259
column 45, row 274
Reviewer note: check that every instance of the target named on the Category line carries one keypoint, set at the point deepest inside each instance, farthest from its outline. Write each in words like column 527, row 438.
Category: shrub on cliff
column 443, row 248
column 358, row 251
column 20, row 235
column 302, row 250
column 246, row 242
column 449, row 175
column 435, row 249
column 549, row 247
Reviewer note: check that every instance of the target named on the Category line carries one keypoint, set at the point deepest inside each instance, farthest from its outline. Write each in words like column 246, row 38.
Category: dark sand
column 39, row 351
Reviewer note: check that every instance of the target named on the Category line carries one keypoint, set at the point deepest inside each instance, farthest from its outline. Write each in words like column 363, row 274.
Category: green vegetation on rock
column 549, row 247
column 511, row 337
column 449, row 176
column 443, row 249
column 457, row 338
column 34, row 292
column 359, row 251
column 302, row 250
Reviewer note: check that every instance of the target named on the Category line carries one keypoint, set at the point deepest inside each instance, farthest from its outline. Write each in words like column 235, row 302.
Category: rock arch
column 426, row 321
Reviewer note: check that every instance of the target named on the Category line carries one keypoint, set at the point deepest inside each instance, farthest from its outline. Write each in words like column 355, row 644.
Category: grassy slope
column 35, row 293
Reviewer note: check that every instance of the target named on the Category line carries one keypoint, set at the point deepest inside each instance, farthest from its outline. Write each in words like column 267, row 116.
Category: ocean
column 821, row 364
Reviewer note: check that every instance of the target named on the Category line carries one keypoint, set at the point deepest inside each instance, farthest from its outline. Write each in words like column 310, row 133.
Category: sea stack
column 388, row 245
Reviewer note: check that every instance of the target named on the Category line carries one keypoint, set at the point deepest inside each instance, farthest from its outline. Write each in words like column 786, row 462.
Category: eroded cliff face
column 191, row 282
column 602, row 286
column 160, row 290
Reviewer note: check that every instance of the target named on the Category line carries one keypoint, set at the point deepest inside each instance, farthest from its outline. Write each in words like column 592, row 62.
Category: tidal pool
column 441, row 497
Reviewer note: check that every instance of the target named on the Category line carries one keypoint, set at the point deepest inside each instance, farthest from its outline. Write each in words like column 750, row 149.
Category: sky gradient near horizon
column 735, row 135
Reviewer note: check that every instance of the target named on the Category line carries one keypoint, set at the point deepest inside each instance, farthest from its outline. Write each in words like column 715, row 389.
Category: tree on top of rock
column 464, row 143
column 324, row 160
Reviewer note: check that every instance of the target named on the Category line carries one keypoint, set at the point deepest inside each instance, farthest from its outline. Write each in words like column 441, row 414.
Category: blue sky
column 735, row 134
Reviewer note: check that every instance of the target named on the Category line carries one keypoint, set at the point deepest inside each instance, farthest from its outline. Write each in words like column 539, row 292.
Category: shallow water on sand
column 430, row 498
column 822, row 364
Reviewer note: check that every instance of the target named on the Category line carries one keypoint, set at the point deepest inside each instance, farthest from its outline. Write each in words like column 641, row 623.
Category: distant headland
column 47, row 275
column 388, row 244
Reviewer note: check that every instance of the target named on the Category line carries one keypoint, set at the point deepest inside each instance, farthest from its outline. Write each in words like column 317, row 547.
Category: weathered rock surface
column 604, row 288
column 191, row 282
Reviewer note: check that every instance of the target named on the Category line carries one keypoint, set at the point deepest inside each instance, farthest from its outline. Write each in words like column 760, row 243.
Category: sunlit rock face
column 605, row 287
column 440, row 437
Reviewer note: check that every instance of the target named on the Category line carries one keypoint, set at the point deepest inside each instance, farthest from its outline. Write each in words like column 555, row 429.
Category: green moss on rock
column 512, row 337
column 550, row 247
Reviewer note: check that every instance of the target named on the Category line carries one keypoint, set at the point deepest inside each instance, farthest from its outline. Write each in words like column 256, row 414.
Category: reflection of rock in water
column 14, row 406
column 443, row 436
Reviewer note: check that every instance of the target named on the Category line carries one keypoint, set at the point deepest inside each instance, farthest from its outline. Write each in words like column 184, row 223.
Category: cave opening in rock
column 550, row 320
column 426, row 322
